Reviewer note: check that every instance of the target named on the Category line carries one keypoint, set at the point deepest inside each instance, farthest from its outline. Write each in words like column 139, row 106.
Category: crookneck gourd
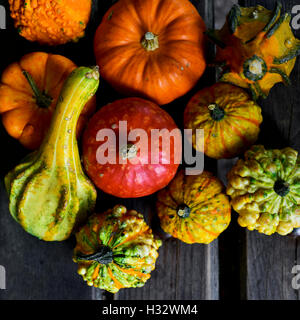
column 229, row 117
column 265, row 190
column 48, row 192
column 116, row 249
column 194, row 209
column 256, row 48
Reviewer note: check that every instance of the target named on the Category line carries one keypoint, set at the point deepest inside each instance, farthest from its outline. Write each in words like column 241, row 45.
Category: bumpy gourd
column 48, row 192
column 50, row 22
column 194, row 209
column 265, row 190
column 116, row 249
column 256, row 48
column 229, row 118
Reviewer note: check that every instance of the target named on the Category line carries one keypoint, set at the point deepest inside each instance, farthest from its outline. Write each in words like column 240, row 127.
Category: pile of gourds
column 153, row 51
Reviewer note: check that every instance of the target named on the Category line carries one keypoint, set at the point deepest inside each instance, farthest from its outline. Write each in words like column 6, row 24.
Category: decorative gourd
column 130, row 171
column 29, row 91
column 151, row 48
column 194, row 209
column 116, row 250
column 256, row 48
column 265, row 190
column 48, row 192
column 51, row 22
column 229, row 117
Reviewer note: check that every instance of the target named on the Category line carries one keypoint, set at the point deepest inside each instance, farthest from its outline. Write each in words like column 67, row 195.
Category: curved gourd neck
column 60, row 140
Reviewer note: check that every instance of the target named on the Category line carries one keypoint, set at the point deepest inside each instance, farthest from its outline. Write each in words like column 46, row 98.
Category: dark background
column 239, row 265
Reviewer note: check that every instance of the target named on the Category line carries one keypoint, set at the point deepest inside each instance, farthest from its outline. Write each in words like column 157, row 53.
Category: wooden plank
column 269, row 260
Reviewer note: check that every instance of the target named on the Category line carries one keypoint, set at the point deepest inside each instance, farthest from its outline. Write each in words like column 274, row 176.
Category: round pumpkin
column 265, row 190
column 229, row 118
column 116, row 250
column 133, row 173
column 51, row 22
column 29, row 92
column 194, row 209
column 151, row 48
column 256, row 48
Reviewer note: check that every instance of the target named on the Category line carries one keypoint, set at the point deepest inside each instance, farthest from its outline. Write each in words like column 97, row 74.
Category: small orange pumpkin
column 151, row 48
column 29, row 91
column 50, row 22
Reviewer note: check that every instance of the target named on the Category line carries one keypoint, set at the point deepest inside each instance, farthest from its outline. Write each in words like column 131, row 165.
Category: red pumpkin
column 139, row 176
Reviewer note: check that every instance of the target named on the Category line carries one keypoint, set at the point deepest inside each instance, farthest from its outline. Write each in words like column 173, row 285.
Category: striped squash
column 115, row 250
column 229, row 118
column 194, row 209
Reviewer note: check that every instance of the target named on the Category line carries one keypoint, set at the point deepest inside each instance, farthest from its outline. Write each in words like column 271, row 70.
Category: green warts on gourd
column 48, row 192
column 116, row 249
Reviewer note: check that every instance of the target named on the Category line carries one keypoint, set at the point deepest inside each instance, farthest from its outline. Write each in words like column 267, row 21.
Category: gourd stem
column 282, row 188
column 217, row 113
column 103, row 256
column 150, row 41
column 128, row 151
column 43, row 100
column 183, row 211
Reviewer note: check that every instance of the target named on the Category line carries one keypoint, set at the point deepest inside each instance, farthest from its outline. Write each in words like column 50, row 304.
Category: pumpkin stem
column 42, row 99
column 150, row 41
column 183, row 211
column 128, row 151
column 103, row 256
column 282, row 188
column 216, row 112
column 255, row 68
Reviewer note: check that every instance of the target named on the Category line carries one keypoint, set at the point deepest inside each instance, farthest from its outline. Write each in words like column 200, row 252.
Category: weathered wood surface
column 238, row 265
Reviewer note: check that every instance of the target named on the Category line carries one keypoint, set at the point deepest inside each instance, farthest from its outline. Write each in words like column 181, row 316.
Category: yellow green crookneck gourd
column 48, row 192
column 116, row 249
column 256, row 48
column 265, row 190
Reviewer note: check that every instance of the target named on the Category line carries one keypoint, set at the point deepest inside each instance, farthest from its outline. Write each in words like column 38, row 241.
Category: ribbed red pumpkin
column 143, row 177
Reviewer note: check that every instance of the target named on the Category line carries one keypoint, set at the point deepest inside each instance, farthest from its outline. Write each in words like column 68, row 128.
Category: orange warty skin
column 51, row 22
column 160, row 69
column 22, row 116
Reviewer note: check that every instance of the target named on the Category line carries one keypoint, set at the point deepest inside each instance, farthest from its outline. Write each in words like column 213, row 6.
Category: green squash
column 116, row 249
column 265, row 190
column 48, row 191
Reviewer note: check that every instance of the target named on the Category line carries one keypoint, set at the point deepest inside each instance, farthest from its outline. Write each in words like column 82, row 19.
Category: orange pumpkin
column 29, row 91
column 151, row 48
column 50, row 22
